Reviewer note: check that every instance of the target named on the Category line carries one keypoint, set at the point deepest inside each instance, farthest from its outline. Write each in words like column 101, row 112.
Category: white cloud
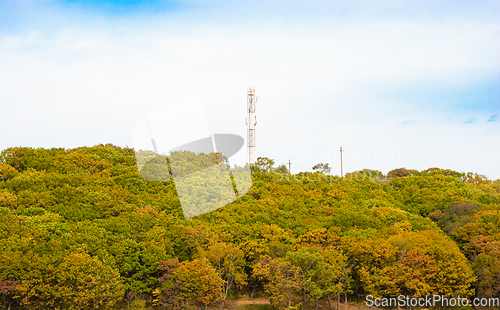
column 81, row 86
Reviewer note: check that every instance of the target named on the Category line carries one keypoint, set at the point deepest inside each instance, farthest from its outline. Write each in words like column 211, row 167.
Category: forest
column 81, row 229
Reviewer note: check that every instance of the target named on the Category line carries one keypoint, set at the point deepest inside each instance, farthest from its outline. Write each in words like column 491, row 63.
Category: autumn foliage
column 80, row 229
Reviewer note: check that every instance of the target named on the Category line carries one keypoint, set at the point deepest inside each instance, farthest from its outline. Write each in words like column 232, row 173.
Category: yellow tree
column 419, row 270
column 196, row 282
column 449, row 272
column 229, row 262
column 78, row 282
column 7, row 172
column 372, row 262
column 282, row 280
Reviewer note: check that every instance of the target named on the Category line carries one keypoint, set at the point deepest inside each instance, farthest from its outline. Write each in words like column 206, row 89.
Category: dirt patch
column 234, row 304
column 238, row 303
column 251, row 302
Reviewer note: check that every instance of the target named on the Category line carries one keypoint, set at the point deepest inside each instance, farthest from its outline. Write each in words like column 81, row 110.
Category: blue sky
column 411, row 84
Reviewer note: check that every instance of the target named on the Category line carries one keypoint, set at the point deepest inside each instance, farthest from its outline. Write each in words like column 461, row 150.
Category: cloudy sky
column 412, row 84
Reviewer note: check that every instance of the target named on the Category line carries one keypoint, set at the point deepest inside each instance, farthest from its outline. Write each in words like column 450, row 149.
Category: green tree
column 310, row 263
column 281, row 169
column 264, row 164
column 323, row 168
column 488, row 275
column 399, row 173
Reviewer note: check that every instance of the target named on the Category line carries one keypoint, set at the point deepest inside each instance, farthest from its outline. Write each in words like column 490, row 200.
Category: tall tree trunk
column 222, row 305
column 345, row 301
column 316, row 303
column 329, row 303
column 338, row 301
column 253, row 291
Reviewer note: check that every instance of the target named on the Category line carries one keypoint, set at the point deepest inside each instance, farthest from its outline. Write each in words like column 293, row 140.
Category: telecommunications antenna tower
column 251, row 123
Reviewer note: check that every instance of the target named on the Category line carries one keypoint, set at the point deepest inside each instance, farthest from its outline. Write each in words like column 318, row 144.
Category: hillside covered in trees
column 80, row 229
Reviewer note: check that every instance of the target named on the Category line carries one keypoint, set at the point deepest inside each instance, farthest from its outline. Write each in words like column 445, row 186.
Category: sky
column 412, row 84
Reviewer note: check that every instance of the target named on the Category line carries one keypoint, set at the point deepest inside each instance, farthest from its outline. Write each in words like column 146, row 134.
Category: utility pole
column 341, row 166
column 289, row 164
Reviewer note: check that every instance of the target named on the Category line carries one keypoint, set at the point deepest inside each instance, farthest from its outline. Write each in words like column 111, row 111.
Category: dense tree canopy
column 80, row 228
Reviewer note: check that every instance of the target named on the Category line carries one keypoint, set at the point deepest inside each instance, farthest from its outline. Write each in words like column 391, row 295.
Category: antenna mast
column 341, row 166
column 251, row 123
